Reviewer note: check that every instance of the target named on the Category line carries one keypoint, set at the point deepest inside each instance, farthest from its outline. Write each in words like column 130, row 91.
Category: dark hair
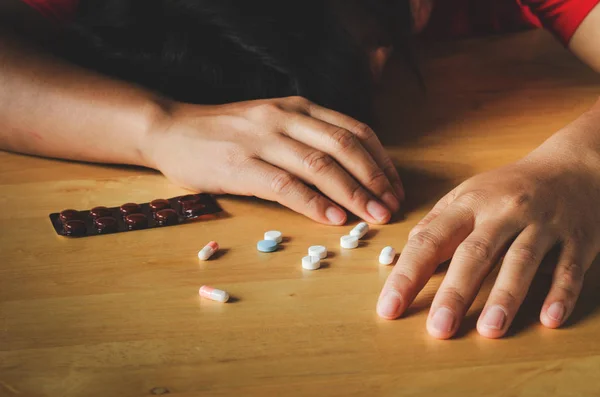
column 218, row 51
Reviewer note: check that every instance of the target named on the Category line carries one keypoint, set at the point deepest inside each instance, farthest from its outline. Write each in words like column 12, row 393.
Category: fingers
column 420, row 257
column 567, row 282
column 347, row 150
column 321, row 170
column 367, row 137
column 268, row 182
column 471, row 263
column 518, row 269
column 435, row 211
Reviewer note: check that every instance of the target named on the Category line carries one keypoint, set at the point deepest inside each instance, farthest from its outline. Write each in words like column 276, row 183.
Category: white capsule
column 208, row 250
column 274, row 235
column 213, row 294
column 318, row 250
column 349, row 242
column 387, row 256
column 360, row 230
column 311, row 262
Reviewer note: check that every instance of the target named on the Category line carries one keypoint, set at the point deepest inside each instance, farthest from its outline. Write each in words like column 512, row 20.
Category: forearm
column 586, row 40
column 51, row 108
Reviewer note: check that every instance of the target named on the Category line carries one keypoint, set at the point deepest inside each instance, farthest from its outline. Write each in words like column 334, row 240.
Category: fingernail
column 378, row 211
column 335, row 215
column 443, row 320
column 399, row 190
column 556, row 311
column 389, row 304
column 494, row 318
column 391, row 201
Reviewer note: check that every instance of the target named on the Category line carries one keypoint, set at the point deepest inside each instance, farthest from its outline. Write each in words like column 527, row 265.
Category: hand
column 524, row 209
column 277, row 149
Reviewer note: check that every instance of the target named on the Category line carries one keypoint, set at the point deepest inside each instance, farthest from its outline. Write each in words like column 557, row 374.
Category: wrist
column 157, row 117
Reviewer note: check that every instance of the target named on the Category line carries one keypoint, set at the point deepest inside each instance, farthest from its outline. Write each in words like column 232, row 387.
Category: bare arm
column 51, row 108
column 271, row 149
column 585, row 43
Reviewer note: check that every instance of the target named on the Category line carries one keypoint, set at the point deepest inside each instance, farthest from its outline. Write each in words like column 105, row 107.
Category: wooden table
column 119, row 315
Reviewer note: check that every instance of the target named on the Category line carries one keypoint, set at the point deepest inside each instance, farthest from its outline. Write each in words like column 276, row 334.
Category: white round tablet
column 318, row 250
column 387, row 256
column 311, row 262
column 274, row 235
column 349, row 242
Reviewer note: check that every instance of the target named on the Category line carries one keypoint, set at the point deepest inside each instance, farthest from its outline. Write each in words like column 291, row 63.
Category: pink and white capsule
column 208, row 250
column 213, row 294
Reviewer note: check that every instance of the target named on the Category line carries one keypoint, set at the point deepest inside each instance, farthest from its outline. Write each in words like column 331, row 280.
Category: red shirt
column 450, row 18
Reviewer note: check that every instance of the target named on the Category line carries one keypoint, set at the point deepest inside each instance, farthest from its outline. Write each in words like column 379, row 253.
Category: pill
column 266, row 246
column 387, row 256
column 213, row 294
column 159, row 204
column 68, row 215
column 349, row 242
column 74, row 227
column 165, row 217
column 208, row 250
column 311, row 262
column 192, row 209
column 190, row 198
column 136, row 221
column 319, row 251
column 130, row 208
column 274, row 235
column 106, row 224
column 360, row 230
column 99, row 212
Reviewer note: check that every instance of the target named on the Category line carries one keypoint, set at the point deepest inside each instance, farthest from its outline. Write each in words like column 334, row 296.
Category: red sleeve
column 561, row 17
column 60, row 11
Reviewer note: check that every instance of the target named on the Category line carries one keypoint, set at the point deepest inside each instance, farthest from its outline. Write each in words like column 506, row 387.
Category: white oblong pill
column 274, row 235
column 349, row 242
column 311, row 262
column 387, row 255
column 318, row 250
column 360, row 230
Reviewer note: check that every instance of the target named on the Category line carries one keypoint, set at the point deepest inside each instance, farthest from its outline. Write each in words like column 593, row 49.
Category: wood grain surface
column 119, row 315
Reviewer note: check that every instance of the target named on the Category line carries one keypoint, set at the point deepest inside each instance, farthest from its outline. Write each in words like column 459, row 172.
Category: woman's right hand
column 276, row 149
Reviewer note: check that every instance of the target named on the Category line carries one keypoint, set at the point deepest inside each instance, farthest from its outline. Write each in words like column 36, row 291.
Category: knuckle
column 356, row 193
column 517, row 201
column 478, row 250
column 425, row 240
column 265, row 111
column 378, row 178
column 570, row 277
column 282, row 183
column 363, row 131
column 506, row 297
column 452, row 294
column 313, row 201
column 343, row 139
column 317, row 162
column 525, row 254
column 299, row 100
column 473, row 198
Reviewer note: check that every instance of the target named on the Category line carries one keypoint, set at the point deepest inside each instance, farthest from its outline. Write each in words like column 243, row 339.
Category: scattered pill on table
column 311, row 262
column 387, row 255
column 208, row 250
column 274, row 235
column 360, row 230
column 266, row 246
column 349, row 242
column 318, row 250
column 213, row 294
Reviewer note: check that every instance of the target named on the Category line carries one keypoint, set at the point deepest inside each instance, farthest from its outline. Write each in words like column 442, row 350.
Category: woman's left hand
column 524, row 209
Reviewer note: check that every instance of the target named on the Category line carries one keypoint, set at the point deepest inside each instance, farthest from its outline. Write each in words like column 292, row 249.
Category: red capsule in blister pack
column 133, row 216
